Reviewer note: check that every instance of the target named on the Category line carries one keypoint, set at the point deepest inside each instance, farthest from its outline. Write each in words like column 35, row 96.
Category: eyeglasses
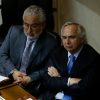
column 32, row 26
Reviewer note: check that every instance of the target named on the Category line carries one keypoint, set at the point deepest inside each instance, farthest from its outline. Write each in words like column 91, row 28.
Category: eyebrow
column 71, row 36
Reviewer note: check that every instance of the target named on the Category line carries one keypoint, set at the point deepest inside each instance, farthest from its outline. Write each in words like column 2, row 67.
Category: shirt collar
column 75, row 54
column 31, row 39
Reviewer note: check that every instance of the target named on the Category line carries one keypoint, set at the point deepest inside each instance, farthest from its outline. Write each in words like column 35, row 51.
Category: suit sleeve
column 5, row 61
column 54, row 83
column 86, row 87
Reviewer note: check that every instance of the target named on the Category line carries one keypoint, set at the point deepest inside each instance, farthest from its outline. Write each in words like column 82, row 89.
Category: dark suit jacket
column 12, row 49
column 85, row 67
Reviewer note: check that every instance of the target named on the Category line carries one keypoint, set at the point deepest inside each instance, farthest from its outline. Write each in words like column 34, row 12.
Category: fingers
column 20, row 78
column 25, row 80
column 17, row 75
column 74, row 81
column 52, row 71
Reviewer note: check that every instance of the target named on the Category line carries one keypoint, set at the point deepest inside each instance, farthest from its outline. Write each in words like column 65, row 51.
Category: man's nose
column 29, row 29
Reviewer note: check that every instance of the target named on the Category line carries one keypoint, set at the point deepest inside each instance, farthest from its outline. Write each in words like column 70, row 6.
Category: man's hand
column 73, row 81
column 21, row 78
column 18, row 76
column 53, row 72
column 26, row 80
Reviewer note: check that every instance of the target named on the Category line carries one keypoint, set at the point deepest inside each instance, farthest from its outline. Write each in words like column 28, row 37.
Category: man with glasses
column 26, row 49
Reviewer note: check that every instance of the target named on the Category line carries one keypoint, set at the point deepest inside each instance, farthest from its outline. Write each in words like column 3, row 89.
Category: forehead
column 70, row 30
column 31, row 19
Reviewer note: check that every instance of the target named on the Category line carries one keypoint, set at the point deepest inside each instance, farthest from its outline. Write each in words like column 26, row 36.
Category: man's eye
column 64, row 37
column 34, row 25
column 72, row 37
column 69, row 37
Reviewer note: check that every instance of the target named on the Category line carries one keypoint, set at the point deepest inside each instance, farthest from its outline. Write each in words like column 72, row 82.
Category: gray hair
column 81, row 30
column 34, row 10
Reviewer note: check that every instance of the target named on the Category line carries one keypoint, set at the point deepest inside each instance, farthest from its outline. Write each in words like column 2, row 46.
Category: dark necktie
column 26, row 56
column 70, row 63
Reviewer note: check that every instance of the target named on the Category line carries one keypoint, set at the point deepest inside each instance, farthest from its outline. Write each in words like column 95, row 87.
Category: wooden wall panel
column 59, row 14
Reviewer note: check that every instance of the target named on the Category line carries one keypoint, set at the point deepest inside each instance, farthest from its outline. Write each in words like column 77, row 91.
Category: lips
column 68, row 47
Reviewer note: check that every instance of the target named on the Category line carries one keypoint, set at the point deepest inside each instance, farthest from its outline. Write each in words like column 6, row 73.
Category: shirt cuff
column 68, row 83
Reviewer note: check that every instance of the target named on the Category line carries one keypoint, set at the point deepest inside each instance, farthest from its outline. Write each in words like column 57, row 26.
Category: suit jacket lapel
column 22, row 44
column 37, row 48
column 79, row 63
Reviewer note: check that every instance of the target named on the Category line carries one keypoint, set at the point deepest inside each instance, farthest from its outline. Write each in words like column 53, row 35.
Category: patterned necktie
column 26, row 56
column 70, row 63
